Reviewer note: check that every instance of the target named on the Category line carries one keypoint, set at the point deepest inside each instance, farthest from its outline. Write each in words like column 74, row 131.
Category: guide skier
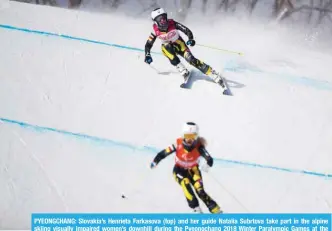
column 173, row 44
column 189, row 148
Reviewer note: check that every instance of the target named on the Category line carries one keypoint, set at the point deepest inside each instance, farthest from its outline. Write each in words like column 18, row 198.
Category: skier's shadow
column 167, row 72
column 197, row 76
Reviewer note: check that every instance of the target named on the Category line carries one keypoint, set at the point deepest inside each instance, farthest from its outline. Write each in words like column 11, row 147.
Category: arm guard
column 149, row 43
column 164, row 153
column 184, row 29
column 204, row 153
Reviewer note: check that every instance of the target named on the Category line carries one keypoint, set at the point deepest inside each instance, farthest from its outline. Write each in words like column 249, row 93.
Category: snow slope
column 82, row 116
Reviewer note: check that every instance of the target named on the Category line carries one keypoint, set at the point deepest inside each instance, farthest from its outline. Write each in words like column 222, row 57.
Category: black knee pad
column 202, row 194
column 169, row 47
column 190, row 58
column 175, row 61
column 171, row 50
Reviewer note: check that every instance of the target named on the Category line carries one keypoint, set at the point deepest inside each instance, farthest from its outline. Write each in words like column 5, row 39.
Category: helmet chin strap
column 188, row 146
column 163, row 29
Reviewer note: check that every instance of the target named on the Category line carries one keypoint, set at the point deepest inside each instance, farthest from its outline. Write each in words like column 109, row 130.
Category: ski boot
column 214, row 207
column 197, row 210
column 216, row 210
column 183, row 71
column 218, row 79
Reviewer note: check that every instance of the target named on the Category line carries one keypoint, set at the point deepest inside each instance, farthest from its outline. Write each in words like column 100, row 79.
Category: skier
column 189, row 148
column 173, row 44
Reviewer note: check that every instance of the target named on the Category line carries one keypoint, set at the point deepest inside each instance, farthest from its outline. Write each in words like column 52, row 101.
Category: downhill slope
column 81, row 120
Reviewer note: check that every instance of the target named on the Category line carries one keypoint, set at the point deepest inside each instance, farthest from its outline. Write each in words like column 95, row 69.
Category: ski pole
column 138, row 184
column 219, row 49
column 154, row 68
column 231, row 194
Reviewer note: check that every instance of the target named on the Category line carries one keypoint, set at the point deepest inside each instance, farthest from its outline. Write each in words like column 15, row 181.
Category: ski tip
column 227, row 92
column 184, row 86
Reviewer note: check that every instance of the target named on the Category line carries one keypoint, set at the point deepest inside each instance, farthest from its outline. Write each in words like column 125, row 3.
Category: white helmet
column 159, row 16
column 190, row 128
column 156, row 12
column 189, row 135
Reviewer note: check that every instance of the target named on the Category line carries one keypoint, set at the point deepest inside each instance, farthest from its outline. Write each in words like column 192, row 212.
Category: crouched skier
column 173, row 44
column 189, row 148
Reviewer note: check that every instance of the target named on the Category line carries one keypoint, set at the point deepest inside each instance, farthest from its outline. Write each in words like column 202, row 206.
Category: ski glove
column 148, row 58
column 153, row 165
column 207, row 165
column 191, row 42
column 210, row 161
column 204, row 167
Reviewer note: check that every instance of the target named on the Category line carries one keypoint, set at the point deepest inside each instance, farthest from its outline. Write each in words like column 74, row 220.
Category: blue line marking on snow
column 70, row 37
column 153, row 149
column 302, row 80
column 230, row 66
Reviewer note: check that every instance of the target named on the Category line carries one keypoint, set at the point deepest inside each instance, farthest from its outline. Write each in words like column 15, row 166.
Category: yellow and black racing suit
column 173, row 45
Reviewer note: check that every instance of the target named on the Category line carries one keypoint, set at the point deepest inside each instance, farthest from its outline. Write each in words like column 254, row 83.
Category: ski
column 226, row 91
column 223, row 84
column 185, row 83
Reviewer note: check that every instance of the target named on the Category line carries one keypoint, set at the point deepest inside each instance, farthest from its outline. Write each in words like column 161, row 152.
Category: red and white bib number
column 171, row 36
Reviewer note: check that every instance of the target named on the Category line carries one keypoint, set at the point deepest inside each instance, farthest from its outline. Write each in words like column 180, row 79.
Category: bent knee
column 185, row 181
column 169, row 52
column 189, row 57
column 201, row 193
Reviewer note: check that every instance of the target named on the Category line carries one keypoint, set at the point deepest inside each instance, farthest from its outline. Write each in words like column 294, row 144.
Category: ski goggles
column 162, row 21
column 191, row 137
